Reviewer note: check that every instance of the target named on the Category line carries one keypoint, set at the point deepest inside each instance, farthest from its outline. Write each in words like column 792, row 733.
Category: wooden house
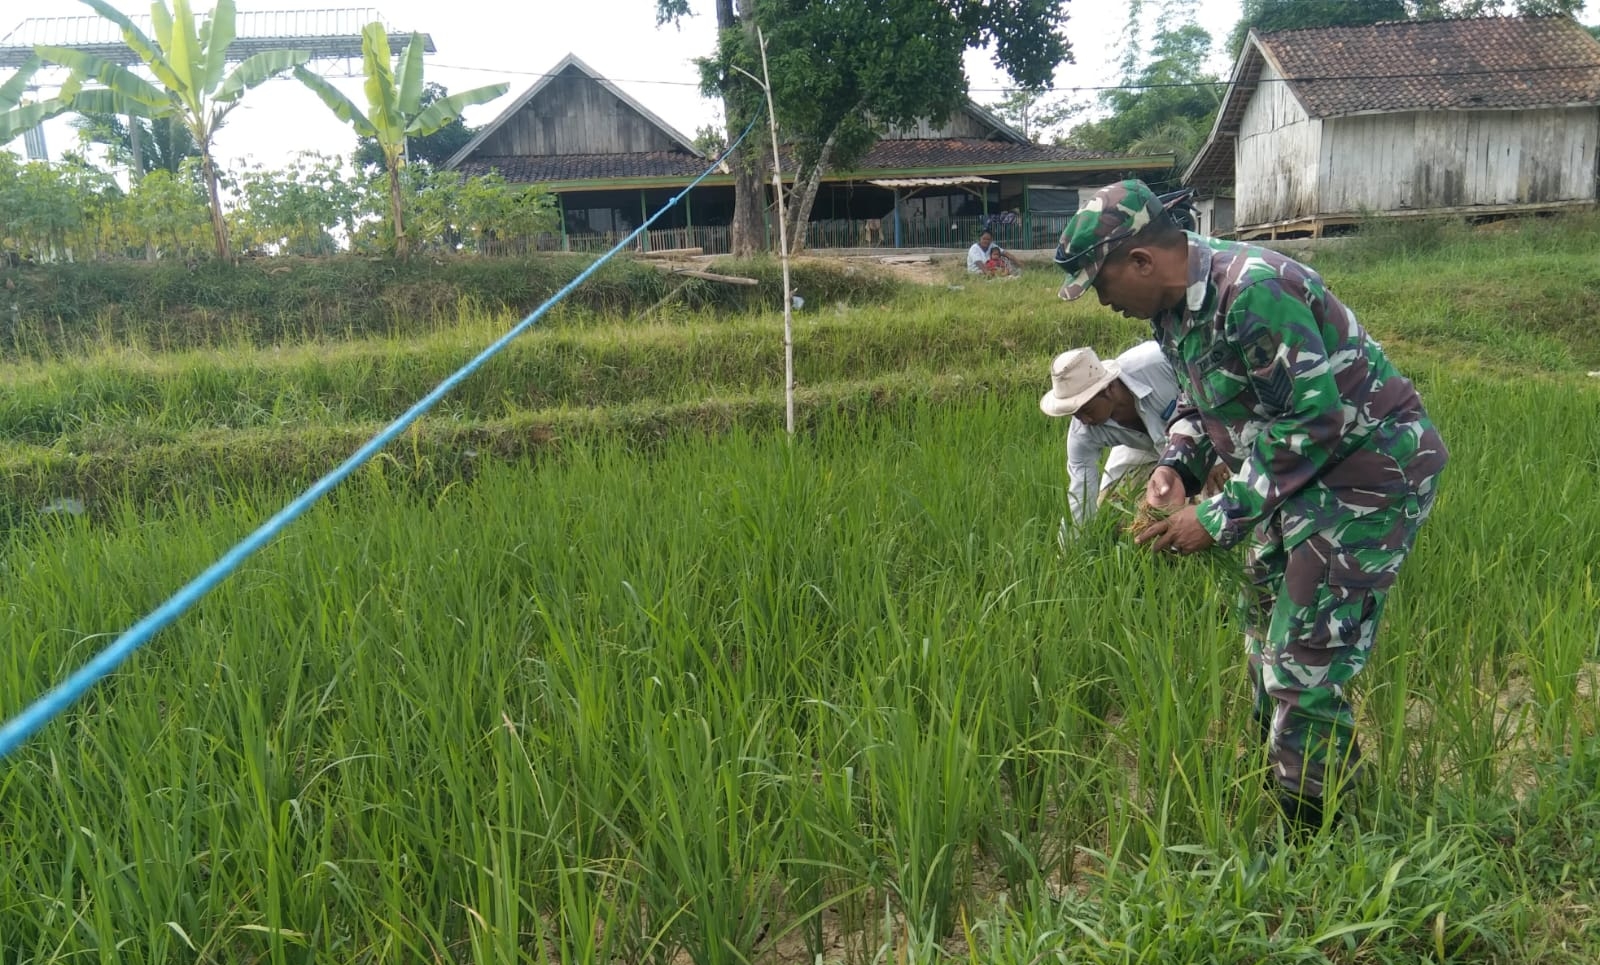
column 612, row 162
column 1323, row 127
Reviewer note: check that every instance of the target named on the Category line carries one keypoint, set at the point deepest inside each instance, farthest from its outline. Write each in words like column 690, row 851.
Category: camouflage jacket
column 1279, row 380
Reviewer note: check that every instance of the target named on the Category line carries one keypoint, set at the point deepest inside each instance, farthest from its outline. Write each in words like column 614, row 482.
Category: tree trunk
column 400, row 249
column 748, row 163
column 135, row 139
column 800, row 211
column 219, row 227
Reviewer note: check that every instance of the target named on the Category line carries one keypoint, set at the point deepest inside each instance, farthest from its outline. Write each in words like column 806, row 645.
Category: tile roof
column 888, row 155
column 1470, row 64
column 588, row 167
column 957, row 152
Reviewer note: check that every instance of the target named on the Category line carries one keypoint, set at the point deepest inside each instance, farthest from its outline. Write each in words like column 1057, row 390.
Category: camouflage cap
column 1116, row 212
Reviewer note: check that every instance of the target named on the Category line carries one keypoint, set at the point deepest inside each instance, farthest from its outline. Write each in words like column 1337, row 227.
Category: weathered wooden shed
column 611, row 161
column 1322, row 127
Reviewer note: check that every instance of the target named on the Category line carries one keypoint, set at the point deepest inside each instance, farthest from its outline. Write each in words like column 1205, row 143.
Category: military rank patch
column 1273, row 384
column 1260, row 351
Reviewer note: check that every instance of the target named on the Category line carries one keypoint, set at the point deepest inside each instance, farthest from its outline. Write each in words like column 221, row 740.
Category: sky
column 486, row 41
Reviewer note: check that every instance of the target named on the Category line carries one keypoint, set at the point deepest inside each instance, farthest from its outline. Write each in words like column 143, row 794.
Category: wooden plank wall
column 1453, row 159
column 1276, row 155
column 573, row 114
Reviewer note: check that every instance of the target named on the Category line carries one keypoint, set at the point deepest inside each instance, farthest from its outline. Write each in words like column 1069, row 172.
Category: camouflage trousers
column 1311, row 618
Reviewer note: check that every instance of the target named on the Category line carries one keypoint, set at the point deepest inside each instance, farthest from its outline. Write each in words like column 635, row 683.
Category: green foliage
column 1434, row 9
column 483, row 209
column 16, row 116
column 842, row 680
column 1168, row 104
column 449, row 213
column 188, row 61
column 433, row 149
column 395, row 110
column 1267, row 16
column 1036, row 115
column 169, row 212
column 710, row 141
column 164, row 142
column 595, row 663
column 295, row 209
column 124, row 306
column 843, row 72
column 56, row 211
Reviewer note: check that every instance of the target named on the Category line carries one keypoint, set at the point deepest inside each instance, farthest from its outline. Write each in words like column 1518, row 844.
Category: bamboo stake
column 783, row 247
column 710, row 276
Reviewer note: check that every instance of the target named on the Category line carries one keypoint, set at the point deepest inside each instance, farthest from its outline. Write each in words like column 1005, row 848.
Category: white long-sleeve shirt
column 1148, row 375
column 978, row 255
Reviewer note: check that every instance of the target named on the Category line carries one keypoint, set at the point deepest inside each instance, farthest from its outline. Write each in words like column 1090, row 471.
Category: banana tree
column 394, row 110
column 15, row 116
column 188, row 61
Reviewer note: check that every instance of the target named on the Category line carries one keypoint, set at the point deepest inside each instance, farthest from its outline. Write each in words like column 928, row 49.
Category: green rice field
column 596, row 665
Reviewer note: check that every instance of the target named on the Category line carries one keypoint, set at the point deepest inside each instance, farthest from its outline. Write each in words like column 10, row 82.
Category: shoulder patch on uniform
column 1260, row 351
column 1218, row 354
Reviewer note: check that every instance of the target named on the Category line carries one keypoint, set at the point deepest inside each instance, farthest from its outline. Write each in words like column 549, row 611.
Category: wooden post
column 1027, row 210
column 644, row 215
column 561, row 208
column 897, row 217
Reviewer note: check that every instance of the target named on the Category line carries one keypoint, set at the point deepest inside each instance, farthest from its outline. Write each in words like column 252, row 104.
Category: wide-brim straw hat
column 1076, row 376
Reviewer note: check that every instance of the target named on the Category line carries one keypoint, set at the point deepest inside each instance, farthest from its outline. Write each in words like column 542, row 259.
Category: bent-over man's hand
column 1165, row 488
column 1179, row 533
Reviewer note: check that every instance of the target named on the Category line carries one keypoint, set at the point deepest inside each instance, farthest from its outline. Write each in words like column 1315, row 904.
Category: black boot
column 1304, row 816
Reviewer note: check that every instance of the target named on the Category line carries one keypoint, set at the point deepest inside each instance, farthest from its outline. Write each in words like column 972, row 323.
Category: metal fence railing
column 1023, row 232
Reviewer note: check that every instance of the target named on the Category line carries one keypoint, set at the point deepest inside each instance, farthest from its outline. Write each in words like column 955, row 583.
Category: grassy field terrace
column 596, row 665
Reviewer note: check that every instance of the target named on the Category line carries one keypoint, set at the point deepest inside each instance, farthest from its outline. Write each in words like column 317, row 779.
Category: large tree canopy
column 1036, row 114
column 843, row 71
column 1164, row 106
column 163, row 141
column 1267, row 16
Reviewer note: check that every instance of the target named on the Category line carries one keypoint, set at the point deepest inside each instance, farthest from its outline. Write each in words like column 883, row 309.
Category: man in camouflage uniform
column 1334, row 461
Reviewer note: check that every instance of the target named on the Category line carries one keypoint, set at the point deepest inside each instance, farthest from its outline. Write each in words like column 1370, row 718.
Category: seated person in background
column 989, row 259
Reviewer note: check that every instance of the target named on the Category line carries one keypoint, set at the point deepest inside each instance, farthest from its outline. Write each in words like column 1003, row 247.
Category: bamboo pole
column 783, row 247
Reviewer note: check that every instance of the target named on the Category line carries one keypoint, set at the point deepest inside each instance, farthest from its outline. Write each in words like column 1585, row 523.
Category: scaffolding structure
column 332, row 35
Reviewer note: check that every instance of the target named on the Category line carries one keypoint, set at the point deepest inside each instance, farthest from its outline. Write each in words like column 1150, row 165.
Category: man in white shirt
column 988, row 258
column 1122, row 405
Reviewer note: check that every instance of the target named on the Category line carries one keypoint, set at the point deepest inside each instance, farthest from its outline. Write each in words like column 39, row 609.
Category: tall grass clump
column 71, row 308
